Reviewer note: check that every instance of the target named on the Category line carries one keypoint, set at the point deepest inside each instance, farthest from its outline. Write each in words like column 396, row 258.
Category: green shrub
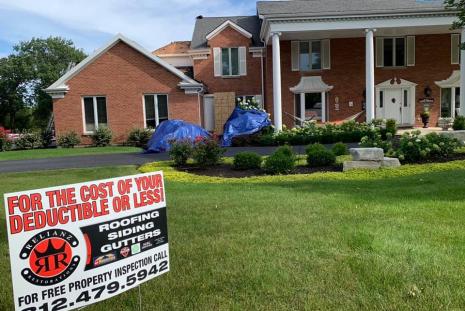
column 180, row 152
column 375, row 140
column 459, row 123
column 247, row 161
column 391, row 126
column 415, row 148
column 340, row 149
column 28, row 139
column 207, row 152
column 68, row 140
column 281, row 162
column 139, row 137
column 318, row 156
column 102, row 137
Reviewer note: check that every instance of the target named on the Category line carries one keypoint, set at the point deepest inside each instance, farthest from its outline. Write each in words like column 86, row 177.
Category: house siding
column 347, row 75
column 122, row 75
column 244, row 85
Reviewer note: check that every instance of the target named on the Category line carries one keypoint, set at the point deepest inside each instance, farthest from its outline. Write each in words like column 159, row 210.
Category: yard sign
column 75, row 245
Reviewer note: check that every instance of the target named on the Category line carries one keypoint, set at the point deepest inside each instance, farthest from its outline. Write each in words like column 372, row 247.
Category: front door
column 395, row 103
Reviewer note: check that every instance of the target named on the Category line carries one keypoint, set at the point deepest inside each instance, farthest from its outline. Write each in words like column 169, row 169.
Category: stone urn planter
column 425, row 119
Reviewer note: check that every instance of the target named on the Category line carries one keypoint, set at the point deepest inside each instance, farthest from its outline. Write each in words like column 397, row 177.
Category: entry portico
column 391, row 54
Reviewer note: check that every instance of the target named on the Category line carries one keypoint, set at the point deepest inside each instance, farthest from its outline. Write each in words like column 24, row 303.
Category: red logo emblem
column 50, row 257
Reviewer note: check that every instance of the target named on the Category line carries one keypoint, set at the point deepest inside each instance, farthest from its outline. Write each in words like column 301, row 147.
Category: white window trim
column 94, row 101
column 310, row 48
column 230, row 63
column 394, row 52
column 155, row 102
column 453, row 102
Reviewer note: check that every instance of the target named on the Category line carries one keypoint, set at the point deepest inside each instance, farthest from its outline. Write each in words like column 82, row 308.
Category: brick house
column 328, row 61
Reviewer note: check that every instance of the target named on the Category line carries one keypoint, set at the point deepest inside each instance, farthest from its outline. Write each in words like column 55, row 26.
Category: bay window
column 156, row 109
column 95, row 113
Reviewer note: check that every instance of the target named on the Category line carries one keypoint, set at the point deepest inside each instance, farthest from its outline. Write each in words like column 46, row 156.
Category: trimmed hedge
column 247, row 161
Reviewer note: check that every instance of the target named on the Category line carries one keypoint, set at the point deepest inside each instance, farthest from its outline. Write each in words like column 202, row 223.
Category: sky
column 91, row 23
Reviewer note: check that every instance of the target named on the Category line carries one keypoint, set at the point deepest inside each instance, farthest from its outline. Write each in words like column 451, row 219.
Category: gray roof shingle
column 205, row 25
column 346, row 7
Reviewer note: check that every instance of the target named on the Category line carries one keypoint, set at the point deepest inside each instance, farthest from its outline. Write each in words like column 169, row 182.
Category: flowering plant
column 249, row 104
column 5, row 142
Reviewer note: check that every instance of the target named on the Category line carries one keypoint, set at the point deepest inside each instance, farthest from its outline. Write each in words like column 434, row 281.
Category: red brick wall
column 347, row 75
column 123, row 75
column 245, row 85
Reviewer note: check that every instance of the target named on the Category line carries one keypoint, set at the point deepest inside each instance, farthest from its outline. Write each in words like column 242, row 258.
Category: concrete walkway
column 111, row 160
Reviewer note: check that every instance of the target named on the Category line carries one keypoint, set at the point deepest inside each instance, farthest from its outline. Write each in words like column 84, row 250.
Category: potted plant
column 425, row 118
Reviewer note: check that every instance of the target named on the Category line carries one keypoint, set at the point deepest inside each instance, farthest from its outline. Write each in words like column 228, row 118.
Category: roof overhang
column 60, row 87
column 313, row 84
column 310, row 23
column 226, row 24
column 452, row 81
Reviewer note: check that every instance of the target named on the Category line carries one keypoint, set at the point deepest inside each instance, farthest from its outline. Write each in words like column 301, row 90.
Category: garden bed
column 226, row 171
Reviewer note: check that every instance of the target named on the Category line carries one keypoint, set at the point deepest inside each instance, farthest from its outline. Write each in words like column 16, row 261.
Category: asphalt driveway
column 110, row 160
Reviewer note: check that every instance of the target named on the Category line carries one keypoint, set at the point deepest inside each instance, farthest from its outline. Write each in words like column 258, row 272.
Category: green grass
column 63, row 152
column 384, row 240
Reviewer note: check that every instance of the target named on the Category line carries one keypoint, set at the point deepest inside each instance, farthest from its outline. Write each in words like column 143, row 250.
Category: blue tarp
column 172, row 130
column 244, row 122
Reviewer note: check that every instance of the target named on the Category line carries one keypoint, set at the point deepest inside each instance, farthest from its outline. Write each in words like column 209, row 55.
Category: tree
column 458, row 5
column 34, row 66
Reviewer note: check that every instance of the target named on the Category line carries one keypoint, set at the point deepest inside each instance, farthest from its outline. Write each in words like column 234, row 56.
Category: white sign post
column 75, row 245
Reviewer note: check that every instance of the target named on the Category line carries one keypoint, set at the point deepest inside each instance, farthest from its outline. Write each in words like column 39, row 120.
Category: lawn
column 384, row 240
column 63, row 152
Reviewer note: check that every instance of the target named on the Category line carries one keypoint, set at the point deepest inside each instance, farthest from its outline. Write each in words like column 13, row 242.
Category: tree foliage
column 458, row 5
column 33, row 66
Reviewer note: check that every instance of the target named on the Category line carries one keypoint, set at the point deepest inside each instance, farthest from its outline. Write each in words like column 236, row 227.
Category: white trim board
column 226, row 24
column 60, row 84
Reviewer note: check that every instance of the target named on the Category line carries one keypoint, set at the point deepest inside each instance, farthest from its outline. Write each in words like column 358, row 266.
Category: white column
column 277, row 108
column 462, row 76
column 452, row 102
column 323, row 107
column 370, row 75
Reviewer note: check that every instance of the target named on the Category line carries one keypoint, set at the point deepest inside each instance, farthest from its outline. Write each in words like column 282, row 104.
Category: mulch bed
column 226, row 171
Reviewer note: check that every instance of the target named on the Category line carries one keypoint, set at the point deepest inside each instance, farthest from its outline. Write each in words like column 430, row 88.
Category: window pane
column 225, row 62
column 406, row 98
column 304, row 56
column 381, row 99
column 457, row 101
column 400, row 52
column 388, row 52
column 162, row 108
column 102, row 111
column 316, row 55
column 149, row 111
column 446, row 101
column 298, row 111
column 235, row 61
column 89, row 114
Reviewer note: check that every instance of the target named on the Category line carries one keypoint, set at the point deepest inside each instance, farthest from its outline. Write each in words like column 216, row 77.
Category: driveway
column 110, row 160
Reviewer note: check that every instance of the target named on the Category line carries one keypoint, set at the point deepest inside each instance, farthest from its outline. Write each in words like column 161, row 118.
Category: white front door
column 395, row 103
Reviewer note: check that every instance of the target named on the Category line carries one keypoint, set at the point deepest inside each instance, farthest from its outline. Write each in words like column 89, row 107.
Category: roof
column 346, row 7
column 205, row 25
column 176, row 47
column 60, row 84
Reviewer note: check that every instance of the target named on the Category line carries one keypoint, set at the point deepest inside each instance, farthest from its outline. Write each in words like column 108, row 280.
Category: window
column 310, row 55
column 311, row 109
column 381, row 99
column 156, row 109
column 95, row 113
column 394, row 52
column 230, row 61
column 450, row 102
